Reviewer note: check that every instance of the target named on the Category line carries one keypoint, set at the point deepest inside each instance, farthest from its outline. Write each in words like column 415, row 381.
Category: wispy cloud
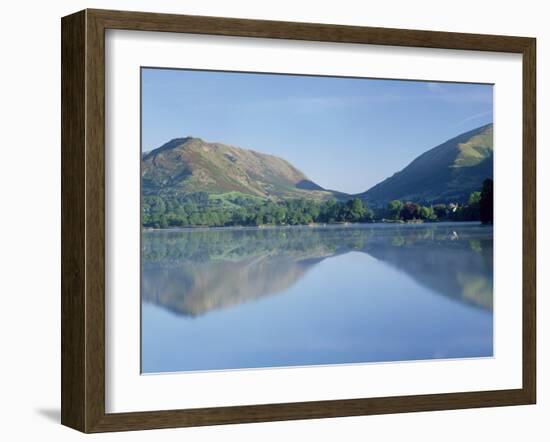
column 307, row 104
column 436, row 88
column 474, row 117
column 433, row 92
column 445, row 92
column 320, row 103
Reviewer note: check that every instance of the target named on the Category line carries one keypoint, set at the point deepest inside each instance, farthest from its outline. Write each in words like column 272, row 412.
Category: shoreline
column 312, row 226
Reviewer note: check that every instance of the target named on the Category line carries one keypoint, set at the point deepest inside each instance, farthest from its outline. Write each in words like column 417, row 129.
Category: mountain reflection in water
column 193, row 272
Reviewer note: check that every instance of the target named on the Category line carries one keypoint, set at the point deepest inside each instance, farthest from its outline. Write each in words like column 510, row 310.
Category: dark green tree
column 394, row 209
column 486, row 202
column 426, row 213
column 440, row 211
column 355, row 210
column 474, row 198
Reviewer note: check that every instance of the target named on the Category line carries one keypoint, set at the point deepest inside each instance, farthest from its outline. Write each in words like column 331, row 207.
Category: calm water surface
column 243, row 298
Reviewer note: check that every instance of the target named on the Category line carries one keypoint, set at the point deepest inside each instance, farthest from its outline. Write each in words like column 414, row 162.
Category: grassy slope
column 189, row 165
column 448, row 172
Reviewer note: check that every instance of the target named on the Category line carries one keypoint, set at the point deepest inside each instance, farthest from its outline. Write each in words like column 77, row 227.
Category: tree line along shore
column 203, row 210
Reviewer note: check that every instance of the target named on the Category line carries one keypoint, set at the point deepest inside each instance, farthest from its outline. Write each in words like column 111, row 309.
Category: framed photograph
column 269, row 220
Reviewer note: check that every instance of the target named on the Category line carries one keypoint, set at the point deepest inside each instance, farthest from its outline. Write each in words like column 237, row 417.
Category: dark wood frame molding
column 83, row 218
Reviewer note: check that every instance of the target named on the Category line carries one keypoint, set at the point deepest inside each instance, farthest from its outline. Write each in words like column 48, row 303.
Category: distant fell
column 189, row 165
column 449, row 172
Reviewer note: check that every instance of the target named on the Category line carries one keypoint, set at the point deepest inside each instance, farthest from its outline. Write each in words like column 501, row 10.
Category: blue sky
column 345, row 134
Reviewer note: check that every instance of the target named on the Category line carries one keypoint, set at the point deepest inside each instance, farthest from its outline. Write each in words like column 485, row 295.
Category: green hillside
column 449, row 172
column 188, row 182
column 190, row 165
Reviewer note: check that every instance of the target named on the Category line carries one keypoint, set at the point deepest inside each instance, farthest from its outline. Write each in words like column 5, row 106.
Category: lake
column 233, row 298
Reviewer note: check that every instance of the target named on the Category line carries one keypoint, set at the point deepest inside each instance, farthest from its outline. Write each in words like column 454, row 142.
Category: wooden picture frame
column 83, row 220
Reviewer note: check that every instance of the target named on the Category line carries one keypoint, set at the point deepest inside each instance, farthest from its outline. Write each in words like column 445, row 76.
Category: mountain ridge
column 448, row 172
column 189, row 164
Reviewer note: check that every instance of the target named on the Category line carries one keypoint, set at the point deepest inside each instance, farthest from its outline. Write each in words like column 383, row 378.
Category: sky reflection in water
column 247, row 298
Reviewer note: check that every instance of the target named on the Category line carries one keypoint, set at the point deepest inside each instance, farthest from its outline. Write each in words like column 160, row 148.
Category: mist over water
column 292, row 296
